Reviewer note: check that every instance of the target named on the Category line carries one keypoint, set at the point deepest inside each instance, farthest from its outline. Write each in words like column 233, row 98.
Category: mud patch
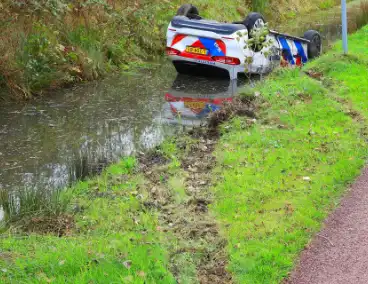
column 151, row 158
column 58, row 225
column 239, row 106
column 182, row 197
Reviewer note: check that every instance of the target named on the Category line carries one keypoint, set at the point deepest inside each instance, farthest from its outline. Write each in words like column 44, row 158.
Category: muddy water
column 70, row 134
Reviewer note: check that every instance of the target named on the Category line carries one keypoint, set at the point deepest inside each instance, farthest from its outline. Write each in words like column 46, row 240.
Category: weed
column 361, row 17
column 259, row 5
column 34, row 209
column 327, row 4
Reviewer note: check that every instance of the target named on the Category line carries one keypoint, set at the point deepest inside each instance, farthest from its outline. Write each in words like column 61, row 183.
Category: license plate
column 196, row 50
column 195, row 105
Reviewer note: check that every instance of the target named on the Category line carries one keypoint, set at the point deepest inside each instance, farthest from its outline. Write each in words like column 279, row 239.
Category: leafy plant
column 39, row 57
column 258, row 41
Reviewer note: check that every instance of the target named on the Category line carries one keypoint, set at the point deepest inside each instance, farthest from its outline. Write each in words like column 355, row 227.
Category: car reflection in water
column 191, row 99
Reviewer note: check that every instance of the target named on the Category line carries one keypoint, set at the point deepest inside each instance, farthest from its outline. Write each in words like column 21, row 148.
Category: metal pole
column 344, row 19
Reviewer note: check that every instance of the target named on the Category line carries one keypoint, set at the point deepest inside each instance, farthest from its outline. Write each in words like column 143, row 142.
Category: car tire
column 315, row 43
column 254, row 21
column 188, row 10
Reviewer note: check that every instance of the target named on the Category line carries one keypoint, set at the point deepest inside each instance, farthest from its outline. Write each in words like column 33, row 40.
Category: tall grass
column 25, row 204
column 259, row 5
column 362, row 16
column 50, row 43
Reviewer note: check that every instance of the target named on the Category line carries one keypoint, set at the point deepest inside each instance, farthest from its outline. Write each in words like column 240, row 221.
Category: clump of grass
column 362, row 17
column 259, row 5
column 26, row 207
column 327, row 4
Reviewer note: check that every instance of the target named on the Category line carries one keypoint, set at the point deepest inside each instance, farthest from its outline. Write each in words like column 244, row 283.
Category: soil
column 57, row 225
column 189, row 220
column 195, row 230
column 339, row 253
column 239, row 106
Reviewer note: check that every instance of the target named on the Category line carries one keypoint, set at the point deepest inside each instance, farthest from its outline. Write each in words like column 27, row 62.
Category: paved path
column 339, row 253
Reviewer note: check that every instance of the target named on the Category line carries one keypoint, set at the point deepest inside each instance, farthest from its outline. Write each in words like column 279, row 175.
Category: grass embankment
column 47, row 44
column 113, row 240
column 143, row 220
column 280, row 179
column 148, row 220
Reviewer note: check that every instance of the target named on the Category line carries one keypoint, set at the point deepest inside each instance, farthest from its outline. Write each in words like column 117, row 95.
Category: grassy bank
column 47, row 44
column 111, row 238
column 202, row 210
column 280, row 179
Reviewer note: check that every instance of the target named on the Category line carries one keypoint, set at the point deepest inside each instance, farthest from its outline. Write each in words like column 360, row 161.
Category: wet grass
column 278, row 181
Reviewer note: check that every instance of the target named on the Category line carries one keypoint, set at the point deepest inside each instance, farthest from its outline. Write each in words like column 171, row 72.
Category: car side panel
column 294, row 52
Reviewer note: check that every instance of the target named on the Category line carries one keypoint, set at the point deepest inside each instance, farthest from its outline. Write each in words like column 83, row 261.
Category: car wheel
column 254, row 21
column 315, row 43
column 189, row 11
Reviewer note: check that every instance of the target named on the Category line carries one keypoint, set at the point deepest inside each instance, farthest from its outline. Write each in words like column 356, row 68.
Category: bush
column 39, row 58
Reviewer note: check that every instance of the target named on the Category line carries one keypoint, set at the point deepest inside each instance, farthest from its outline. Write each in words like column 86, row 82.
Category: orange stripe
column 177, row 39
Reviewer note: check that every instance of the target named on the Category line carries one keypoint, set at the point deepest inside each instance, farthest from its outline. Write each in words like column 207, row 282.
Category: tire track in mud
column 198, row 251
column 197, row 242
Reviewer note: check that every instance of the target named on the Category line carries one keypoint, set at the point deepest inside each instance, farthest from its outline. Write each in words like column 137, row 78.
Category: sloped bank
column 182, row 214
column 278, row 180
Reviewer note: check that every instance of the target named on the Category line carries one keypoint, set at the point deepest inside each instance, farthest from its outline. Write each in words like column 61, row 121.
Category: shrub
column 39, row 58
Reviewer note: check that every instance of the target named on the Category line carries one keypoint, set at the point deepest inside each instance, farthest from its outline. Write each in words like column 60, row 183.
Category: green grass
column 348, row 74
column 115, row 240
column 281, row 178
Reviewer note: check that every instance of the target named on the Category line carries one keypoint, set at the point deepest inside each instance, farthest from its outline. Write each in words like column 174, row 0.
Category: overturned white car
column 200, row 46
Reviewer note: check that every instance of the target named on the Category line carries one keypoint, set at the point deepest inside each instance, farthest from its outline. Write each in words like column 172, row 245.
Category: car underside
column 206, row 47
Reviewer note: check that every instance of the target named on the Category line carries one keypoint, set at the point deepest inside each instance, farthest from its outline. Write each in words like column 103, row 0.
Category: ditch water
column 72, row 133
column 55, row 140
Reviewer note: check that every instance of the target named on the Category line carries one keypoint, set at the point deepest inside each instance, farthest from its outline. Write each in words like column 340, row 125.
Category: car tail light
column 226, row 60
column 172, row 51
column 170, row 98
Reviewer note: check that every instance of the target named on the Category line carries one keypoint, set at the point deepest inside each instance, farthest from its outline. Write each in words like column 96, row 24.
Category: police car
column 200, row 46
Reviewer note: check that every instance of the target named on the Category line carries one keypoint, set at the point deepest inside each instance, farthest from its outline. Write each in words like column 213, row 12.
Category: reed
column 25, row 204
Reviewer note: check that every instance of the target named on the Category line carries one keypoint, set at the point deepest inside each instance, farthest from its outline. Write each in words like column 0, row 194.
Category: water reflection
column 55, row 140
column 191, row 99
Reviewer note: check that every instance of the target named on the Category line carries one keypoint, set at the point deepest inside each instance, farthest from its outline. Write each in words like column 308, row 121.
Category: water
column 53, row 141
column 48, row 142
